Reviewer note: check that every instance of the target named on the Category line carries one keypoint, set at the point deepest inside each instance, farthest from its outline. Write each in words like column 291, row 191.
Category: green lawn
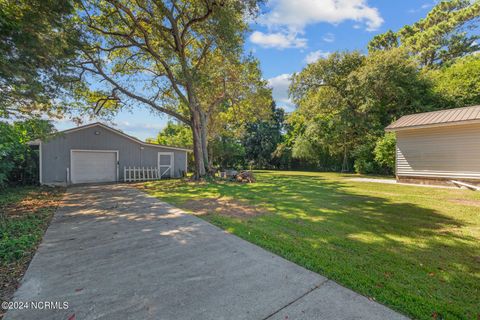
column 25, row 213
column 415, row 249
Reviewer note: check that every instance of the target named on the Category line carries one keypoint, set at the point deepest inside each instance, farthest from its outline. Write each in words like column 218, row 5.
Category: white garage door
column 93, row 166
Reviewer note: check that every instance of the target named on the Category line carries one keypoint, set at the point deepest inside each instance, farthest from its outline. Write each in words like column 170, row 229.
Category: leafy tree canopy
column 262, row 137
column 446, row 33
column 459, row 83
column 36, row 44
column 174, row 134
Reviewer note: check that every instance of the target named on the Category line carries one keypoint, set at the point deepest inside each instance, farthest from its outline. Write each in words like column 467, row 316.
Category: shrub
column 385, row 152
column 364, row 158
column 18, row 161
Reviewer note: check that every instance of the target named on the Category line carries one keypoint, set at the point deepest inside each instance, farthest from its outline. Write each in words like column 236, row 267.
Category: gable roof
column 437, row 118
column 121, row 134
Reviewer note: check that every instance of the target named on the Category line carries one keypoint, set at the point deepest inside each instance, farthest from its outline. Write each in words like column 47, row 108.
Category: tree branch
column 150, row 50
column 98, row 70
column 193, row 21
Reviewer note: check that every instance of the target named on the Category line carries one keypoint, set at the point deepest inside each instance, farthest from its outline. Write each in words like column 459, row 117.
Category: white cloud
column 287, row 19
column 296, row 15
column 280, row 85
column 328, row 37
column 315, row 55
column 278, row 40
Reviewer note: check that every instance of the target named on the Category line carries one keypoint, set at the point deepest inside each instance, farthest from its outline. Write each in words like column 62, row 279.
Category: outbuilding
column 98, row 153
column 438, row 147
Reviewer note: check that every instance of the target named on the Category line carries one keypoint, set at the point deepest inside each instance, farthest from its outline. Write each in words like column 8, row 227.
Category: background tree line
column 344, row 102
column 236, row 145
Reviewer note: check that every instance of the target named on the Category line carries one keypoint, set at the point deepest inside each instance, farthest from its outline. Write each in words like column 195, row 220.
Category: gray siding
column 56, row 152
column 446, row 152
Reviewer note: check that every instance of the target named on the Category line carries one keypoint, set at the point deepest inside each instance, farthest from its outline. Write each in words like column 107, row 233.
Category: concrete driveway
column 112, row 252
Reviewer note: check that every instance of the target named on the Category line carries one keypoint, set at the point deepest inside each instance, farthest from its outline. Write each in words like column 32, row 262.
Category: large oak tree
column 162, row 54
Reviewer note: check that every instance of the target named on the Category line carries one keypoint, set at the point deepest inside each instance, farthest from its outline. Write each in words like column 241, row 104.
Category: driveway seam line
column 296, row 299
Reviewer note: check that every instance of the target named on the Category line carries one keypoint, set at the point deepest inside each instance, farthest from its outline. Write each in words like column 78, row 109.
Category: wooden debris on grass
column 242, row 176
column 245, row 177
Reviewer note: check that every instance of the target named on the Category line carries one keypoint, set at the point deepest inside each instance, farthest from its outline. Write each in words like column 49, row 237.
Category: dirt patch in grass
column 32, row 203
column 474, row 203
column 25, row 214
column 223, row 206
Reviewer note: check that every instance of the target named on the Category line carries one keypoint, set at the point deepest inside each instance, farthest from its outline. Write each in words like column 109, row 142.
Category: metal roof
column 437, row 118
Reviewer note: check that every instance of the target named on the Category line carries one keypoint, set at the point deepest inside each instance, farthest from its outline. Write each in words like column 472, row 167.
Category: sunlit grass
column 414, row 249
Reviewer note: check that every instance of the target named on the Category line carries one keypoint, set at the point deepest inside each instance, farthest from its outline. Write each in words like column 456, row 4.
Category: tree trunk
column 210, row 157
column 345, row 154
column 345, row 160
column 204, row 125
column 198, row 145
column 199, row 129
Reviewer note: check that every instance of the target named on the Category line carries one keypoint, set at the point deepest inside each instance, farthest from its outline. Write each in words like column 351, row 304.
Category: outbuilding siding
column 445, row 152
column 56, row 152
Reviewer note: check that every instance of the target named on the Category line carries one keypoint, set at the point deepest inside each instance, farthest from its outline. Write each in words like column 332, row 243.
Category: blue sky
column 291, row 33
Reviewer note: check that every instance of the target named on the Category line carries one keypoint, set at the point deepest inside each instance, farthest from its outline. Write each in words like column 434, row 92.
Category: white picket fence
column 131, row 174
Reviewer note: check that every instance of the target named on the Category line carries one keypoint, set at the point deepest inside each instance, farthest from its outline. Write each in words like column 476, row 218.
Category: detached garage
column 438, row 147
column 98, row 153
